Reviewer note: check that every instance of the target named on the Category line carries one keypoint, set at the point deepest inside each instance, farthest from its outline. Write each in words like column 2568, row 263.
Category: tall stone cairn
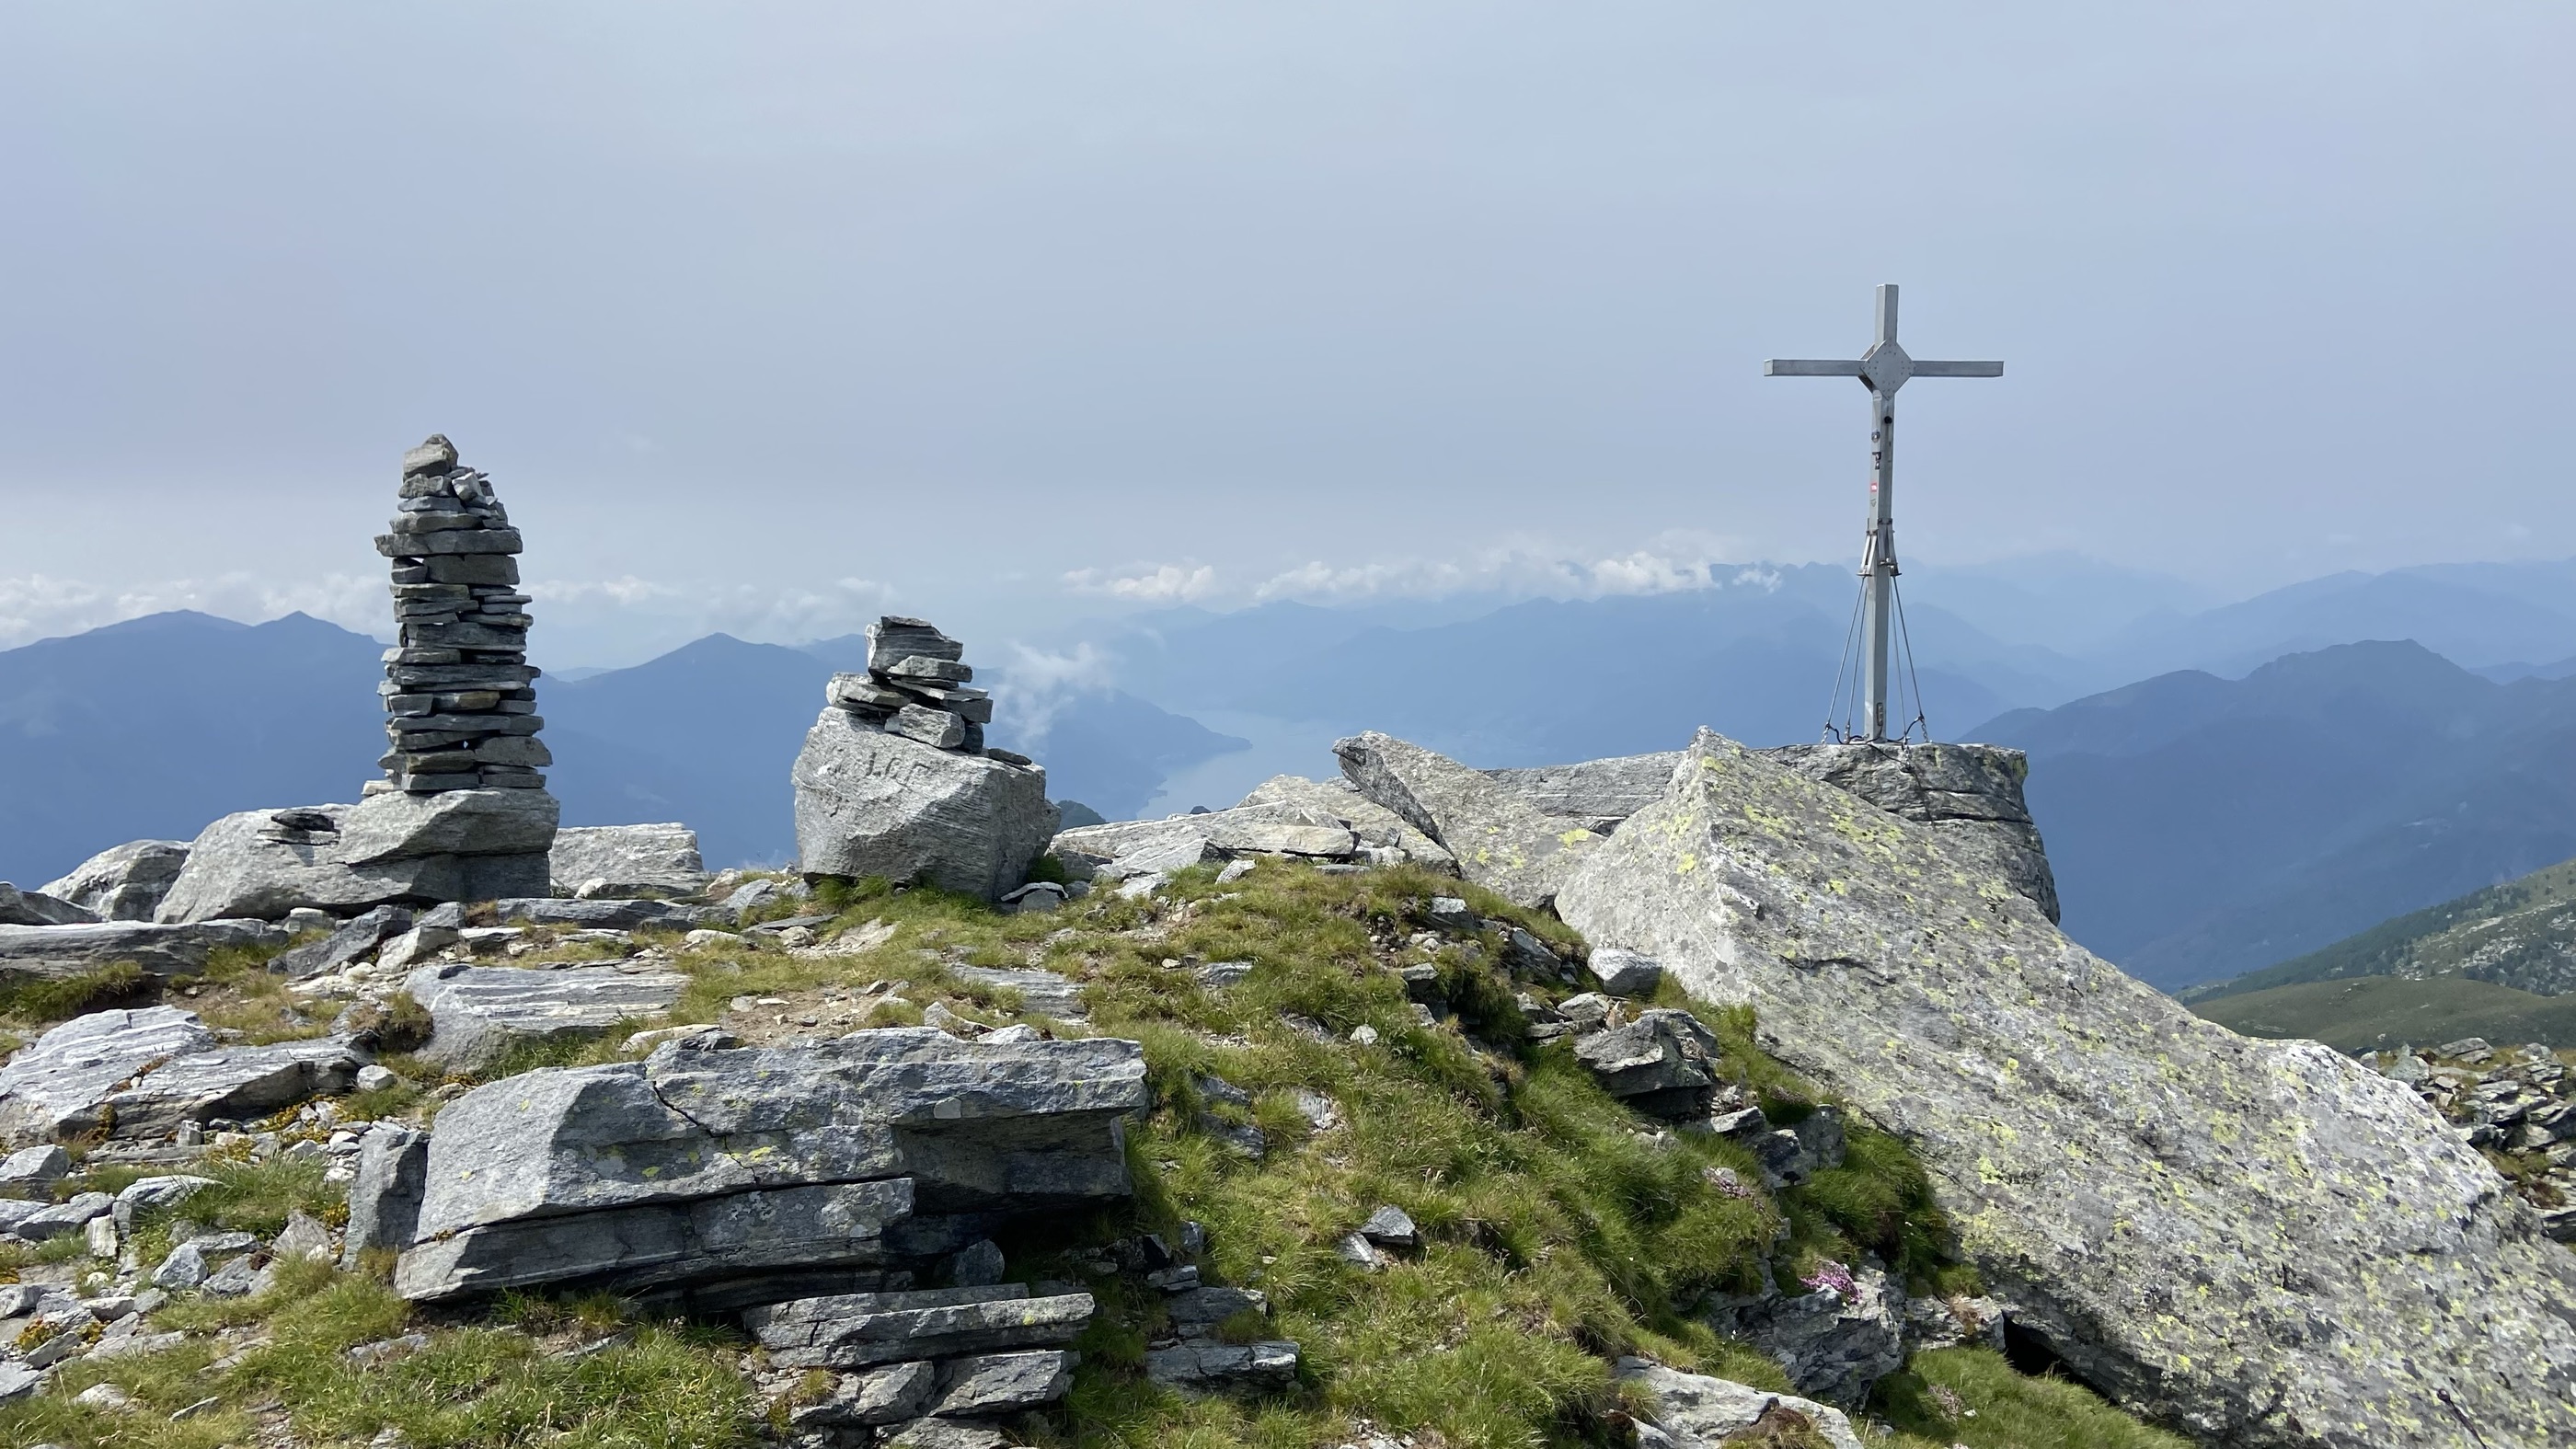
column 460, row 701
column 918, row 686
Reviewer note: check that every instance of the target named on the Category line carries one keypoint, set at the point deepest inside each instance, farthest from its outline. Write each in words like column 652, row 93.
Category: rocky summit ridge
column 1715, row 1097
column 2265, row 1243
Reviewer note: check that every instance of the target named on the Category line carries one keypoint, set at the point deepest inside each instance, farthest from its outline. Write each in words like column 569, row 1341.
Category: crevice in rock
column 2030, row 1353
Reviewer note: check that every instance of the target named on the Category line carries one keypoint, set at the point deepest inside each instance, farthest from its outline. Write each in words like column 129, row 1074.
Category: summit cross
column 1883, row 369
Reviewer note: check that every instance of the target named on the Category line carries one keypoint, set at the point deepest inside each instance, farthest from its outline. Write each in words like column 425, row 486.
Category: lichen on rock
column 2261, row 1243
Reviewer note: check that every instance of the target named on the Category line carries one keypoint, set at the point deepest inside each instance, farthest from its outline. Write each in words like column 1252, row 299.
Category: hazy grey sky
column 763, row 316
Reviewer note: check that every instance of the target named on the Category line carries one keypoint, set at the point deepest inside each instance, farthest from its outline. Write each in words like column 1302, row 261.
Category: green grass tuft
column 2371, row 1013
column 41, row 1000
column 1971, row 1396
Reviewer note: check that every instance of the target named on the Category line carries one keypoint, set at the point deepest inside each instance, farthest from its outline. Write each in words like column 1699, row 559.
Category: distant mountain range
column 2203, row 827
column 2483, row 616
column 2498, row 963
column 2273, row 783
column 1754, row 653
column 154, row 727
column 1544, row 681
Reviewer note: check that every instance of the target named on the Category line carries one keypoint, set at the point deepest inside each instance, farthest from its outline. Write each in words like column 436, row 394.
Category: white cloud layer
column 1041, row 682
column 787, row 614
column 1166, row 584
column 1671, row 562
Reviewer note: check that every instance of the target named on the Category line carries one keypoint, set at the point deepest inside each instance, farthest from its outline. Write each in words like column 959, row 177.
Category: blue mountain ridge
column 1545, row 680
column 2204, row 820
column 2202, row 827
column 153, row 727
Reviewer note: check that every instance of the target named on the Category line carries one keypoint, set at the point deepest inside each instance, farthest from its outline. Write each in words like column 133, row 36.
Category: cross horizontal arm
column 1958, row 369
column 1809, row 367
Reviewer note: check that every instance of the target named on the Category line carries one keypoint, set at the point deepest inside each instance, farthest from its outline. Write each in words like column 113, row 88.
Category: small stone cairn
column 458, row 690
column 918, row 686
column 894, row 780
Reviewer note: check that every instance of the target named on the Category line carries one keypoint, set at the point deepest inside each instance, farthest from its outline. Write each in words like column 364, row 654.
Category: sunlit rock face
column 2262, row 1243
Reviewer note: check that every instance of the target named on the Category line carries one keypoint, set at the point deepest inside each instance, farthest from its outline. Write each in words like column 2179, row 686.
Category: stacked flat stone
column 917, row 686
column 459, row 691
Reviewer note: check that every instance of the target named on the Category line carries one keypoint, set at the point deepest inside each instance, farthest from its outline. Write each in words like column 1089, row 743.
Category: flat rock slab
column 1596, row 794
column 1376, row 826
column 2260, row 1242
column 395, row 848
column 34, row 1167
column 17, row 1381
column 141, row 1073
column 1694, row 1411
column 1201, row 1364
column 874, row 804
column 477, row 1013
column 518, row 1171
column 1041, row 993
column 1267, row 829
column 627, row 860
column 53, row 952
column 124, row 882
column 657, row 1245
column 1003, row 1383
column 1501, row 841
column 53, row 1087
column 855, row 1330
column 610, row 915
column 241, row 1083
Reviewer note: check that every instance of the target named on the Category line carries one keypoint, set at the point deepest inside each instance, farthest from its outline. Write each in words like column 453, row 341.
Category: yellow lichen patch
column 1770, row 821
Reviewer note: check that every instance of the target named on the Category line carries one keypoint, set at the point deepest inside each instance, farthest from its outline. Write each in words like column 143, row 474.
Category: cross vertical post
column 1878, row 544
column 1883, row 369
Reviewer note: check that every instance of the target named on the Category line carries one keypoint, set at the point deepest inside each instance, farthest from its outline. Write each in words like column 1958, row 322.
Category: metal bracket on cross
column 1883, row 369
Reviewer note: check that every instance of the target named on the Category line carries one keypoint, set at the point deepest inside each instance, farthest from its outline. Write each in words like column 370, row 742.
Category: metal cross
column 1883, row 369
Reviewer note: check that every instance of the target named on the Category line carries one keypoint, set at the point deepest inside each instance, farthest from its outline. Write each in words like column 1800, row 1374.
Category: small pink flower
column 1829, row 1276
